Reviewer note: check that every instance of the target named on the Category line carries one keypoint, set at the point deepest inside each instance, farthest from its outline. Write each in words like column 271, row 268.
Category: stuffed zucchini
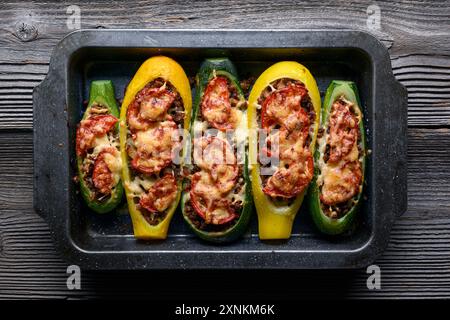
column 216, row 200
column 97, row 149
column 283, row 115
column 336, row 191
column 155, row 109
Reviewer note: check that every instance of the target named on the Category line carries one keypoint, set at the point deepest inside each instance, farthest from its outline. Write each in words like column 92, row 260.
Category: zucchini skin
column 322, row 221
column 101, row 92
column 275, row 220
column 223, row 67
column 153, row 68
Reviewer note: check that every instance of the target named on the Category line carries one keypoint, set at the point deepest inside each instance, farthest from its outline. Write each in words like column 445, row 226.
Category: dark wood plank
column 426, row 77
column 17, row 81
column 416, row 32
column 415, row 264
column 410, row 26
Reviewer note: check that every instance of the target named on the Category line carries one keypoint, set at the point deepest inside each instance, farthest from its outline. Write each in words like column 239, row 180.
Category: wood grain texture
column 422, row 20
column 417, row 33
column 416, row 263
column 426, row 77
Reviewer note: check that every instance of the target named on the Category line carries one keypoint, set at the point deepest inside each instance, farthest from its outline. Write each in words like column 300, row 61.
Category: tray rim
column 266, row 258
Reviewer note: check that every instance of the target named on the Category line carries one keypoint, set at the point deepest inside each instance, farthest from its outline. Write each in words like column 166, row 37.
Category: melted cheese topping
column 155, row 147
column 156, row 139
column 239, row 137
column 332, row 176
column 145, row 141
column 103, row 142
column 208, row 186
column 113, row 161
column 139, row 186
column 200, row 127
column 241, row 132
column 208, row 191
column 336, row 175
column 237, row 196
column 219, row 116
column 287, row 145
column 151, row 147
column 153, row 107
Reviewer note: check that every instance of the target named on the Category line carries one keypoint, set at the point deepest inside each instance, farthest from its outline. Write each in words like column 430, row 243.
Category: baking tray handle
column 38, row 137
column 48, row 102
column 399, row 147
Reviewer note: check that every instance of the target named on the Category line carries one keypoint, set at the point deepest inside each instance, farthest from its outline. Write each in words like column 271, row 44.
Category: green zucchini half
column 208, row 70
column 101, row 94
column 325, row 223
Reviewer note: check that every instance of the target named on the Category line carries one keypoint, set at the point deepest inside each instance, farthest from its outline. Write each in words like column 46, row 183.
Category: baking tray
column 106, row 242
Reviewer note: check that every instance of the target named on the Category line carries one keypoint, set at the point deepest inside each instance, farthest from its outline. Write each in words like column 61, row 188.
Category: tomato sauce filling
column 341, row 175
column 96, row 144
column 160, row 195
column 102, row 175
column 216, row 180
column 149, row 106
column 90, row 128
column 155, row 147
column 154, row 118
column 217, row 104
column 287, row 116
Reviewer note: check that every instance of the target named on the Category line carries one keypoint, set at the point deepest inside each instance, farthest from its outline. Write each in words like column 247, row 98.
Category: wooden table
column 417, row 33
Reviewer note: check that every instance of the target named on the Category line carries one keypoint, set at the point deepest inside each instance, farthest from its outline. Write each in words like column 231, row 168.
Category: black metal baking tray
column 106, row 242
